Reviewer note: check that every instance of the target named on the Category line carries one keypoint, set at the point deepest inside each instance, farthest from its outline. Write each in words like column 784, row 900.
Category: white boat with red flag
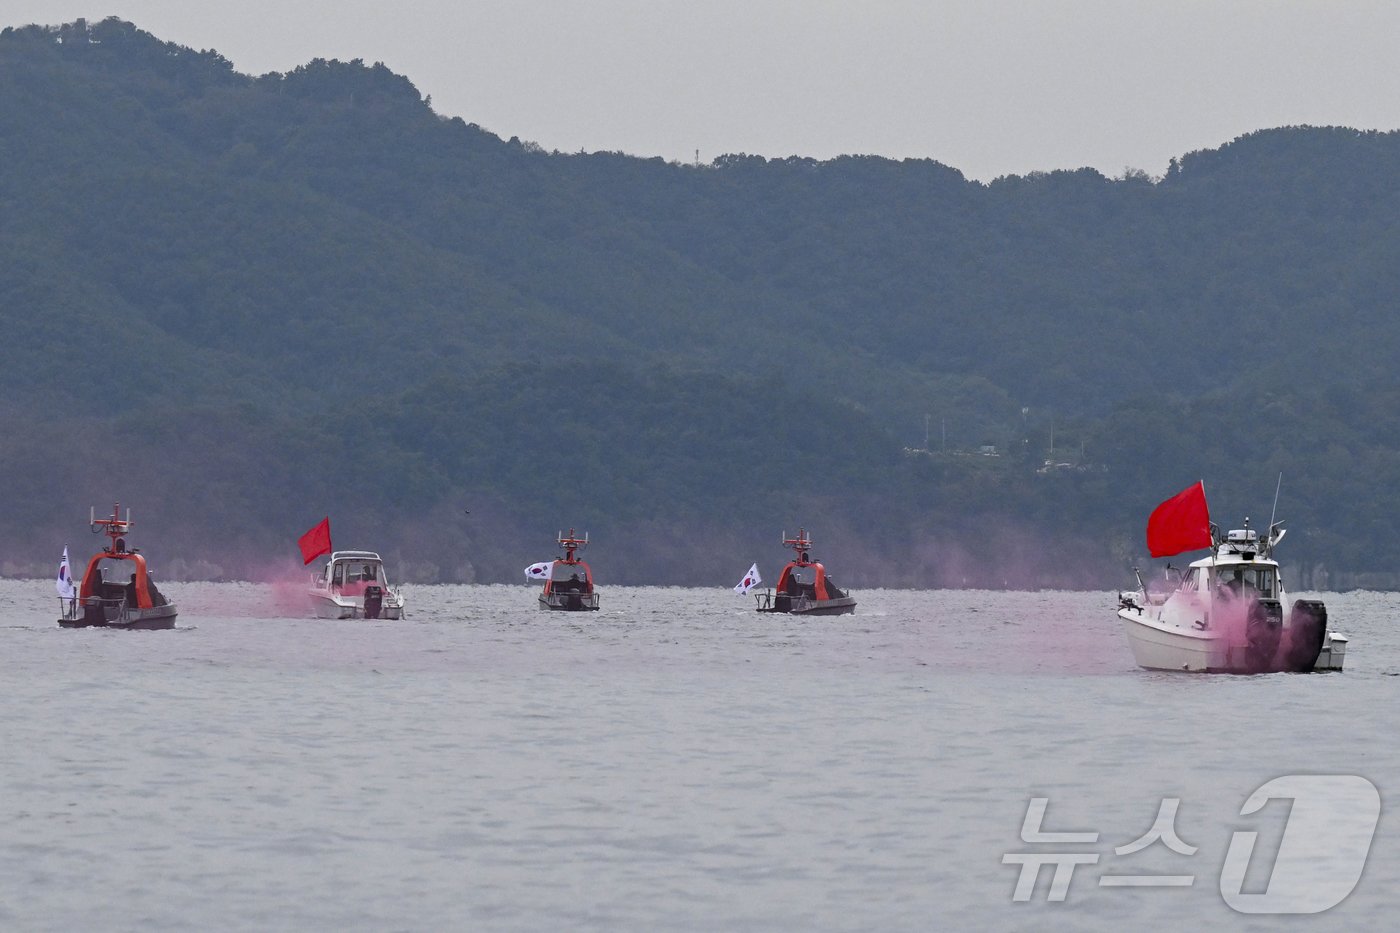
column 130, row 603
column 352, row 584
column 804, row 587
column 355, row 585
column 1226, row 612
column 568, row 581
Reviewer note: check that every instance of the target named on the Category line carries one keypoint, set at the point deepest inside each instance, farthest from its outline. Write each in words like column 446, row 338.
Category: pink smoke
column 286, row 588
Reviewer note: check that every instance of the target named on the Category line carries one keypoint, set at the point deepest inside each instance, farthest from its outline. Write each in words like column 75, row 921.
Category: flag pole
column 1213, row 548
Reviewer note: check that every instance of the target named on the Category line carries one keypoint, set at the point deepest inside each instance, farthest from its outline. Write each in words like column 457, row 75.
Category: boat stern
column 1333, row 653
column 336, row 606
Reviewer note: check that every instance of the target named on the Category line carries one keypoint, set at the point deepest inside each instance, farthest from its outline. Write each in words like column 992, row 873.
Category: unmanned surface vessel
column 569, row 586
column 804, row 587
column 135, row 603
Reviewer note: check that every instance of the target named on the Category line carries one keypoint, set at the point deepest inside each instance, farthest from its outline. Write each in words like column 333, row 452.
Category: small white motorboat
column 1226, row 614
column 353, row 585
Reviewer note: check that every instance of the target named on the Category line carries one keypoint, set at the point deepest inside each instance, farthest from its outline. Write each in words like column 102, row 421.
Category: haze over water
column 673, row 761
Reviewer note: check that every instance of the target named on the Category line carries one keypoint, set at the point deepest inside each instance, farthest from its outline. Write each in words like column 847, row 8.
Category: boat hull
column 1333, row 653
column 804, row 606
column 153, row 619
column 351, row 607
column 569, row 602
column 1160, row 647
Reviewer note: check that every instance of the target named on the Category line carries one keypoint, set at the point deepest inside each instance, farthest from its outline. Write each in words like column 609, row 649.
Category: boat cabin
column 120, row 578
column 568, row 578
column 1240, row 573
column 808, row 578
column 351, row 572
column 1258, row 579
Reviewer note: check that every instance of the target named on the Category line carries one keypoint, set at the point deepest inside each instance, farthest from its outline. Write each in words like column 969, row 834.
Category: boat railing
column 768, row 601
column 111, row 610
column 338, row 589
column 575, row 600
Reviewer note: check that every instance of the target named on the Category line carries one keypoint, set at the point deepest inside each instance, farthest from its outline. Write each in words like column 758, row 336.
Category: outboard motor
column 1264, row 630
column 374, row 601
column 1307, row 629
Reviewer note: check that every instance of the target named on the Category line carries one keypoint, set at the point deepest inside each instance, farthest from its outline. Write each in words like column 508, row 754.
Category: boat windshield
column 359, row 571
column 807, row 576
column 1261, row 581
column 564, row 572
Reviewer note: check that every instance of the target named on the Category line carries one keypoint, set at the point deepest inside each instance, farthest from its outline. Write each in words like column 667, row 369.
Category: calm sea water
column 672, row 762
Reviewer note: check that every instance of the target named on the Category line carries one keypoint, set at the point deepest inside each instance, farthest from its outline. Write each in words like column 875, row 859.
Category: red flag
column 316, row 542
column 1182, row 523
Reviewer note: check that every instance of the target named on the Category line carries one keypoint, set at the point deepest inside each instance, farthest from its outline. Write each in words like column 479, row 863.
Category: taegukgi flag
column 540, row 571
column 64, row 583
column 751, row 580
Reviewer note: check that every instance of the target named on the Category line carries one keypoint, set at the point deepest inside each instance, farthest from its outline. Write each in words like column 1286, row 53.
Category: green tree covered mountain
column 271, row 298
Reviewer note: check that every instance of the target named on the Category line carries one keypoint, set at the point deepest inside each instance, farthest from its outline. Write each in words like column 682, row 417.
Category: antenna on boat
column 115, row 527
column 802, row 544
column 1270, row 539
column 571, row 543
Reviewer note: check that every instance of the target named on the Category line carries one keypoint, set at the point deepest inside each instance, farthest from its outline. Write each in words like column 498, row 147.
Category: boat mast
column 571, row 543
column 1269, row 543
column 115, row 527
column 802, row 544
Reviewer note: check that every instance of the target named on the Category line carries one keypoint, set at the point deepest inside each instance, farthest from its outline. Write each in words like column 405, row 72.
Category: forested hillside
column 271, row 298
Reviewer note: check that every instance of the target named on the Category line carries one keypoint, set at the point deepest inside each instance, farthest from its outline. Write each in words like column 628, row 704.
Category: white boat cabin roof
column 354, row 555
column 1241, row 546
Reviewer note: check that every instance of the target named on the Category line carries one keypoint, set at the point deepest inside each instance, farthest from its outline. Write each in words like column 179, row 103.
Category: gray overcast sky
column 987, row 86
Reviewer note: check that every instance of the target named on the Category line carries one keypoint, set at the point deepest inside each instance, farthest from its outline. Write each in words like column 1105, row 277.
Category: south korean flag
column 751, row 580
column 64, row 583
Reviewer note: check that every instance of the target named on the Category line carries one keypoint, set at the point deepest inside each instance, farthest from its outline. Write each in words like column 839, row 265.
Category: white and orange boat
column 804, row 587
column 102, row 603
column 569, row 585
